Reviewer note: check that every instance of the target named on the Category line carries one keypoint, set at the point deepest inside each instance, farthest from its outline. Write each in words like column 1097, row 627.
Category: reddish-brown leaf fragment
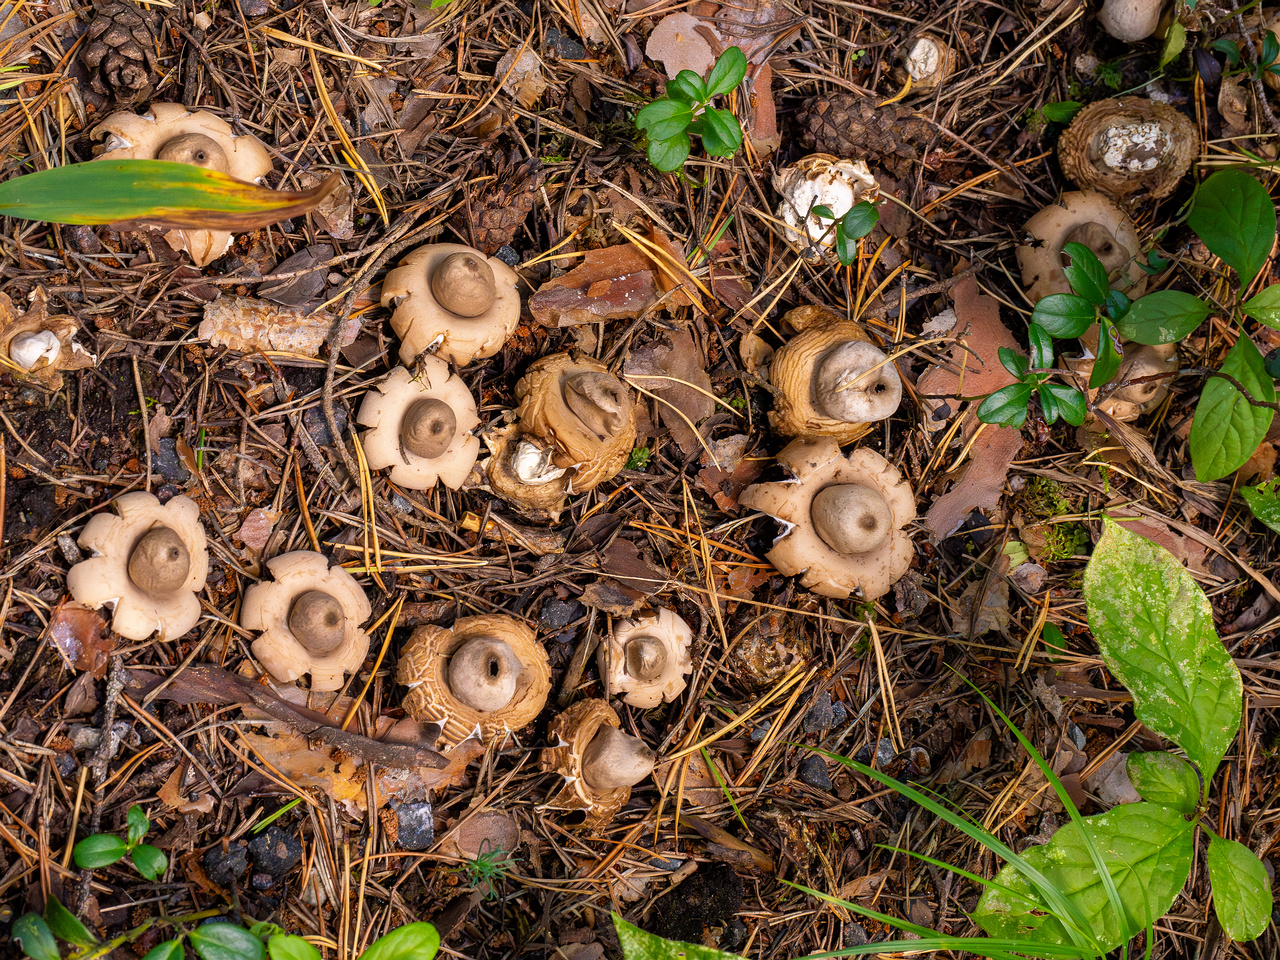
column 76, row 632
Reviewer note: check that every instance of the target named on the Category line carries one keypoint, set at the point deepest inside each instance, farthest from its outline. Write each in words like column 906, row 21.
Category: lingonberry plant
column 686, row 109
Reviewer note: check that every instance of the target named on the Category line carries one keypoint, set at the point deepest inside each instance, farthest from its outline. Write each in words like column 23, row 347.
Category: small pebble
column 820, row 715
column 70, row 552
column 760, row 731
column 274, row 851
column 313, row 419
column 507, row 254
column 401, row 503
column 224, row 867
column 884, row 754
column 417, row 825
column 262, row 881
column 566, row 47
column 166, row 462
column 666, row 863
column 838, row 713
column 813, row 771
column 559, row 613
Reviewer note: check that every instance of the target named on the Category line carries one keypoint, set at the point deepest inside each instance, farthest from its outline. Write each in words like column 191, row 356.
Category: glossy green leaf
column 1154, row 628
column 1107, row 365
column 1265, row 306
column 669, row 155
column 687, row 87
column 154, row 192
column 1062, row 111
column 1234, row 216
column 1165, row 316
column 1229, row 49
column 138, row 824
column 727, row 72
column 1064, row 315
column 149, row 861
column 413, row 941
column 721, row 134
column 1013, row 361
column 169, row 950
column 1165, row 779
column 1228, row 428
column 65, row 925
column 283, row 946
column 99, row 850
column 1040, row 345
column 639, row 945
column 1086, row 274
column 1270, row 49
column 860, row 220
column 1048, row 403
column 1007, row 407
column 1241, row 889
column 1117, row 304
column 822, row 211
column 225, row 941
column 1175, row 41
column 846, row 247
column 33, row 934
column 664, row 119
column 1070, row 402
column 1264, row 502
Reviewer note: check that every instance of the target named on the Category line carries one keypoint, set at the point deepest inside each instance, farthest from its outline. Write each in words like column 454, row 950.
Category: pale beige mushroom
column 927, row 61
column 644, row 660
column 600, row 764
column 830, row 379
column 309, row 619
column 1128, row 146
column 420, row 426
column 821, row 180
column 1087, row 217
column 453, row 299
column 169, row 131
column 487, row 673
column 844, row 519
column 1140, row 361
column 582, row 413
column 1130, row 20
column 35, row 347
column 149, row 562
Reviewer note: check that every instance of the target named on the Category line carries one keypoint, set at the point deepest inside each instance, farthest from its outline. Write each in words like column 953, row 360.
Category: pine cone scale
column 122, row 52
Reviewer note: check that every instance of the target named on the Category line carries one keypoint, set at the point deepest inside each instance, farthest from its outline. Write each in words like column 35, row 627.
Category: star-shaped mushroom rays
column 600, row 764
column 844, row 519
column 644, row 659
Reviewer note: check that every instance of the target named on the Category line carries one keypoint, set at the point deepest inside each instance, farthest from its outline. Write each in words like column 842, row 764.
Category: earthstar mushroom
column 1130, row 20
column 1083, row 216
column 820, row 180
column 39, row 347
column 149, row 562
column 452, row 298
column 1126, row 146
column 309, row 619
column 1128, row 403
column 927, row 61
column 521, row 472
column 644, row 659
column 599, row 762
column 844, row 517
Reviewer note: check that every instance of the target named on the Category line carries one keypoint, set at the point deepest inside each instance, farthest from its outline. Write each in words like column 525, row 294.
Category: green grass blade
column 724, row 787
column 960, row 872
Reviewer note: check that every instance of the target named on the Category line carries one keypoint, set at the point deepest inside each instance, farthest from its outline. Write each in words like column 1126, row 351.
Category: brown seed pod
column 1128, row 146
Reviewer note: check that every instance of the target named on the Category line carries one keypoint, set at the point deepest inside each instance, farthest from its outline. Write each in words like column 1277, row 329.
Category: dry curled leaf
column 76, row 631
column 675, row 372
column 980, row 484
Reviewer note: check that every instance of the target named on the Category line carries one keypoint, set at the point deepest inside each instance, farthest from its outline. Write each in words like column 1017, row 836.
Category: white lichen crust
column 103, row 579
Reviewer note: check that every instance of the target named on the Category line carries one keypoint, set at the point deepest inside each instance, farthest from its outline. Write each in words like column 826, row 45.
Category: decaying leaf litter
column 509, row 127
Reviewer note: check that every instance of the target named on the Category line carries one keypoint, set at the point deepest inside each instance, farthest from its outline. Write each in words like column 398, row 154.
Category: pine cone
column 122, row 53
column 890, row 137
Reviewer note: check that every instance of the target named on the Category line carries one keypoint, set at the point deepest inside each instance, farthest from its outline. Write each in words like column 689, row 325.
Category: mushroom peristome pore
column 169, row 131
column 844, row 517
column 584, row 414
column 453, row 298
column 830, row 379
column 309, row 619
column 1080, row 216
column 644, row 659
column 150, row 560
column 821, row 180
column 420, row 426
column 487, row 672
column 600, row 764
column 1126, row 146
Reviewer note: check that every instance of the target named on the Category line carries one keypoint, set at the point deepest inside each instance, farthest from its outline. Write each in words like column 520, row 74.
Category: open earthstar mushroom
column 487, row 672
column 36, row 348
column 1128, row 146
column 1139, row 362
column 830, row 379
column 599, row 762
column 309, row 619
column 149, row 562
column 520, row 471
column 644, row 660
column 844, row 519
column 1087, row 217
column 420, row 426
column 169, row 131
column 454, row 299
column 820, row 180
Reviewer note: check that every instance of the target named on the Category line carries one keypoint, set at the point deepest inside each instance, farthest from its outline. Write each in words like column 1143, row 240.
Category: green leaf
column 65, row 926
column 149, row 861
column 283, row 946
column 1229, row 49
column 1007, row 407
column 169, row 950
column 687, row 87
column 1165, row 779
column 34, row 936
column 1234, row 216
column 1175, row 41
column 1013, row 361
column 1117, row 304
column 1154, row 628
column 664, row 119
column 1086, row 274
column 822, row 211
column 639, row 945
column 1048, row 403
column 1264, row 502
column 413, row 941
column 846, row 246
column 1041, row 346
column 1227, row 428
column 1070, row 401
column 1265, row 306
column 727, row 73
column 669, row 155
column 1241, row 889
column 1109, row 359
column 1062, row 111
column 99, row 850
column 721, row 134
column 1145, row 848
column 860, row 220
column 138, row 823
column 1270, row 49
column 1165, row 316
column 1064, row 315
column 225, row 941
column 155, row 192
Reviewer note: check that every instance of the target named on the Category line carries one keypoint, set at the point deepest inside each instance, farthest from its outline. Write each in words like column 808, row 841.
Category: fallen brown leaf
column 76, row 632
